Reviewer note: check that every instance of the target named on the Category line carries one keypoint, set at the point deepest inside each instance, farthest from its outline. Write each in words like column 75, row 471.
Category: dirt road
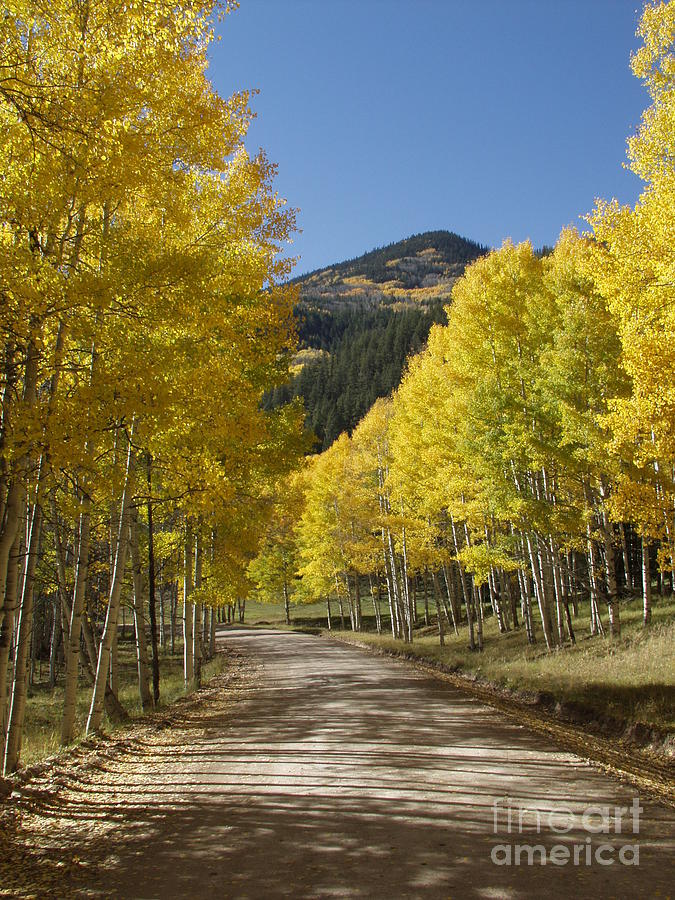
column 343, row 774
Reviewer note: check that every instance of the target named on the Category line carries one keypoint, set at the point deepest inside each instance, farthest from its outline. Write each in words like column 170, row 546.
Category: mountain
column 359, row 320
column 418, row 270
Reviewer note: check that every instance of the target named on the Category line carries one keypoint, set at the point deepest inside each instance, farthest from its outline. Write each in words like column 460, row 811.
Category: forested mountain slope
column 359, row 320
column 419, row 269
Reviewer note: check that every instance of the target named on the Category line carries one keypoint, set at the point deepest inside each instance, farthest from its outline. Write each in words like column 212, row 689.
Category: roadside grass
column 44, row 706
column 630, row 679
column 302, row 614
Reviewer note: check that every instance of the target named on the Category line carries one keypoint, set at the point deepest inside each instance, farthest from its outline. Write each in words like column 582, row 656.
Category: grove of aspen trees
column 526, row 463
column 524, row 466
column 142, row 317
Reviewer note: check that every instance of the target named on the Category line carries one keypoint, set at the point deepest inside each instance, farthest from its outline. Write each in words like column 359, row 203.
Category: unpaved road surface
column 338, row 773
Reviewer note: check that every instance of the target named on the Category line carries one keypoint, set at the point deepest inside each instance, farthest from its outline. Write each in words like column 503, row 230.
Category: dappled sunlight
column 341, row 774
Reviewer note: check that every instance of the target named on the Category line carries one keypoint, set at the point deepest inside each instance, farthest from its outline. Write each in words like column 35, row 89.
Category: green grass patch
column 630, row 679
column 44, row 707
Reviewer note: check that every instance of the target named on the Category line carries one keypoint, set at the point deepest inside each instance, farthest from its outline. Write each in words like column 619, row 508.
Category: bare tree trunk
column 212, row 636
column 558, row 588
column 9, row 523
column 596, row 621
column 197, row 654
column 114, row 680
column 340, row 606
column 393, row 620
column 376, row 604
column 162, row 614
column 439, row 614
column 151, row 594
column 287, row 605
column 610, row 559
column 173, row 601
column 465, row 588
column 357, row 601
column 113, row 708
column 330, row 624
column 646, row 584
column 496, row 601
column 402, row 615
column 198, row 650
column 541, row 596
column 75, row 629
column 479, row 617
column 110, row 627
column 188, row 648
column 17, row 705
column 7, row 622
column 55, row 640
column 206, row 641
column 139, row 617
column 628, row 578
column 452, row 597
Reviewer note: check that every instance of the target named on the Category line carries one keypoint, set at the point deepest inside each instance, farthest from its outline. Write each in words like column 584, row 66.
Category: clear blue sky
column 491, row 118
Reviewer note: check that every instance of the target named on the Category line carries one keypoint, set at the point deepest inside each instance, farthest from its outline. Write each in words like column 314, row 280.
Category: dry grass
column 630, row 679
column 45, row 705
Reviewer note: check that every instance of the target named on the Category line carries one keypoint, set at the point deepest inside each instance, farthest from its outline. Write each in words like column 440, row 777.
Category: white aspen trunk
column 72, row 645
column 628, row 579
column 496, row 601
column 411, row 613
column 452, row 597
column 139, row 617
column 17, row 703
column 7, row 623
column 550, row 597
column 506, row 589
column 162, row 618
column 114, row 680
column 10, row 523
column 197, row 649
column 596, row 621
column 352, row 612
column 197, row 643
column 524, row 587
column 340, row 605
column 212, row 635
column 110, row 627
column 114, row 709
column 338, row 591
column 478, row 602
column 16, row 496
column 539, row 590
column 439, row 614
column 390, row 591
column 357, row 601
column 398, row 605
column 152, row 587
column 646, row 584
column 612, row 587
column 465, row 587
column 376, row 604
column 188, row 659
column 173, row 613
column 328, row 616
column 558, row 590
column 55, row 640
column 525, row 605
column 206, row 641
